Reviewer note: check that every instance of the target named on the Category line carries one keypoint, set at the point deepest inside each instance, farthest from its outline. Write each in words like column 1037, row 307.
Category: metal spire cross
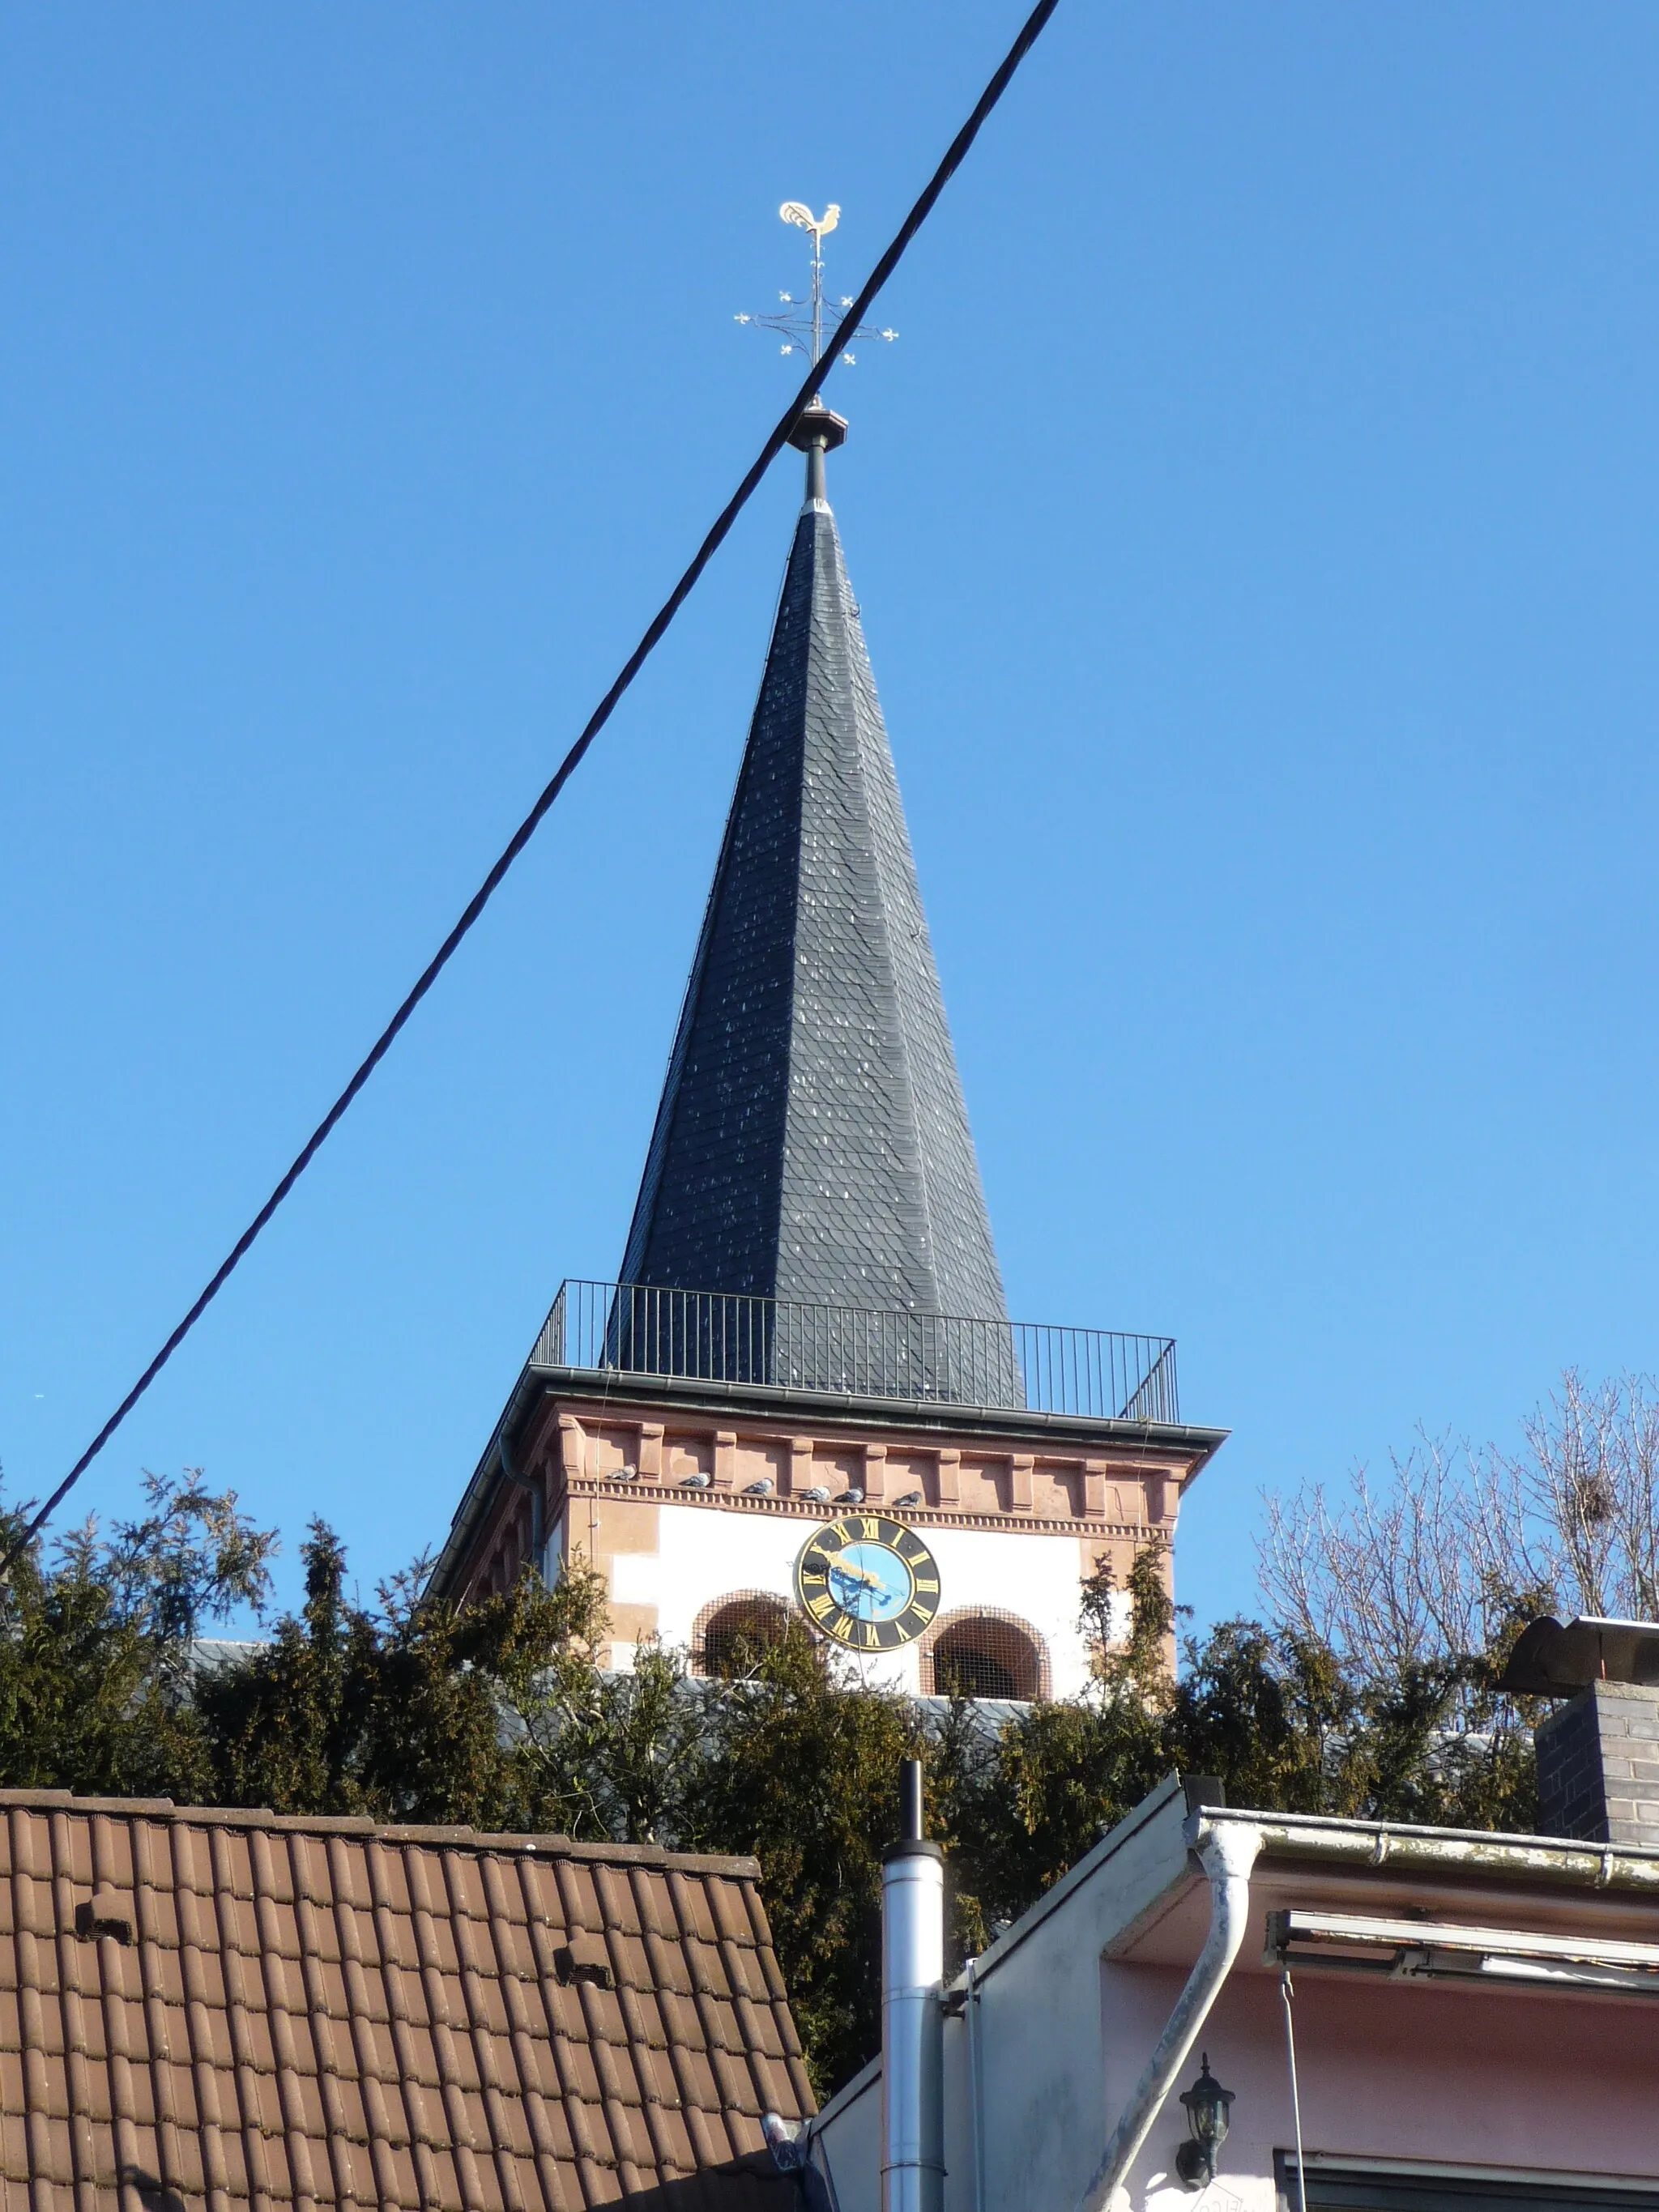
column 800, row 322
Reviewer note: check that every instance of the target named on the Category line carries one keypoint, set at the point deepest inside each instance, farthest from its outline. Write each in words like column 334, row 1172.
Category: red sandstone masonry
column 579, row 1447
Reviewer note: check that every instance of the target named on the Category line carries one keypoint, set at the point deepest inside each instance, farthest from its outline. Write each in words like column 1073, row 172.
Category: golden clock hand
column 860, row 1576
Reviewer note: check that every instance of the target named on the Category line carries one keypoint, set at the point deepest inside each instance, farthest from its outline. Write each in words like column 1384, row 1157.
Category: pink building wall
column 1423, row 2072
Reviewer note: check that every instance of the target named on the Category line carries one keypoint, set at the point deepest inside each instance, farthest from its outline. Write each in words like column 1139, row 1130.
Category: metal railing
column 714, row 1336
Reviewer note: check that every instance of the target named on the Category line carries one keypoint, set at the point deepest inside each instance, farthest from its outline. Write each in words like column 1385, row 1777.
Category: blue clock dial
column 868, row 1581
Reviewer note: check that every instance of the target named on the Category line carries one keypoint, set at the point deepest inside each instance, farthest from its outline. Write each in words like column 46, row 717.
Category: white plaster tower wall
column 703, row 1555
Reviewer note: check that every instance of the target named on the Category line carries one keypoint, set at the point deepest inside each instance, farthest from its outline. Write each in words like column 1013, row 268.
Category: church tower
column 803, row 1395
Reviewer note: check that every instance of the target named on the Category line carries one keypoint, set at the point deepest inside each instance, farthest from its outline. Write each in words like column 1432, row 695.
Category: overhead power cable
column 955, row 153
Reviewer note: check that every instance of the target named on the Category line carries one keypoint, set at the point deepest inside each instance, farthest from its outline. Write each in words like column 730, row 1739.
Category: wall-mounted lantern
column 1209, row 2108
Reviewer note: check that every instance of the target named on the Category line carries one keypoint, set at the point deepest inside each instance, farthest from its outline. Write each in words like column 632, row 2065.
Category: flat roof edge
column 850, row 1405
column 849, row 2093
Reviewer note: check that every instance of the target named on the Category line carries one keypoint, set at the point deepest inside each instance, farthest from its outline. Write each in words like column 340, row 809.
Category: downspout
column 510, row 1473
column 1227, row 1853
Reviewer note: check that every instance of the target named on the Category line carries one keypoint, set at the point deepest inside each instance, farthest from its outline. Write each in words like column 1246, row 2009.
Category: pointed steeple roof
column 811, row 1143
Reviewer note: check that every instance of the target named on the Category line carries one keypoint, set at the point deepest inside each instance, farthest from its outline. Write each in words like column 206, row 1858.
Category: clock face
column 868, row 1582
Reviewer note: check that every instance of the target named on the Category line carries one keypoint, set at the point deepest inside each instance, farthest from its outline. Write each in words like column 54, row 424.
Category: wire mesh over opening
column 986, row 1657
column 738, row 1631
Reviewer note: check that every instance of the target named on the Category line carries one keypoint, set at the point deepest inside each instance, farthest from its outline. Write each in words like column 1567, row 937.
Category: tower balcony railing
column 712, row 1336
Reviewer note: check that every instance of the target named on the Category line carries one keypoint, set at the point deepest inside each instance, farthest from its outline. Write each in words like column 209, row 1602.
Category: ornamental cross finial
column 799, row 323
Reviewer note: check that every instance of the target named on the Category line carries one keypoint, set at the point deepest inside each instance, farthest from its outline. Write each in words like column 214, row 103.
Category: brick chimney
column 1598, row 1766
column 1598, row 1752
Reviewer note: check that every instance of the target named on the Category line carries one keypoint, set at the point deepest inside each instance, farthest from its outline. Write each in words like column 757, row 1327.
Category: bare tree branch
column 1443, row 1559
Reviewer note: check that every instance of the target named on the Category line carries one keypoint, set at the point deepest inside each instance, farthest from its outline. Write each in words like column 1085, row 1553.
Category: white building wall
column 703, row 1555
column 1037, row 1578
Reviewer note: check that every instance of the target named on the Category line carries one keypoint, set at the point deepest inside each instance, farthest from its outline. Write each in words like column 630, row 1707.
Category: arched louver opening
column 986, row 1655
column 736, row 1633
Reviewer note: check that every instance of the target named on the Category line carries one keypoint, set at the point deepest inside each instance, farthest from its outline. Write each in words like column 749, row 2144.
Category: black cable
column 526, row 829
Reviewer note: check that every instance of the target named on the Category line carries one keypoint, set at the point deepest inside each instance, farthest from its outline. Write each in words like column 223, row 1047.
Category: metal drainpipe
column 1227, row 1855
column 536, row 1506
column 912, row 2017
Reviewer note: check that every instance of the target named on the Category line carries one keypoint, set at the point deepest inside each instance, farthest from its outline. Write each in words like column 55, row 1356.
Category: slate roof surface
column 220, row 2010
column 812, row 1143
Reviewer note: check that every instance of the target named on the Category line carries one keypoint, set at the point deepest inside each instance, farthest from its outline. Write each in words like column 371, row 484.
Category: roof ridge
column 888, row 920
column 354, row 1824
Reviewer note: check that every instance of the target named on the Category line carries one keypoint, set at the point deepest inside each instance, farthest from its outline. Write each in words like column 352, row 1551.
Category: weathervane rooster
column 801, row 323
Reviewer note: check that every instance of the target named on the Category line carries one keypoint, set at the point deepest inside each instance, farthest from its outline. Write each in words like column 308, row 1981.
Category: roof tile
column 320, row 2012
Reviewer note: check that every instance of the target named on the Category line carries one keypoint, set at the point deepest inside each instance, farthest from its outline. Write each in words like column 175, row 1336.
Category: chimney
column 1598, row 1753
column 912, row 2020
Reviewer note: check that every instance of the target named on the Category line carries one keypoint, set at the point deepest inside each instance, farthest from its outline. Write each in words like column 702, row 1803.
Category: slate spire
column 811, row 1143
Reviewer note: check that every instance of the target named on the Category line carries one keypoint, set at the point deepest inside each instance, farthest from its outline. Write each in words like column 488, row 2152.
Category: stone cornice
column 819, row 1511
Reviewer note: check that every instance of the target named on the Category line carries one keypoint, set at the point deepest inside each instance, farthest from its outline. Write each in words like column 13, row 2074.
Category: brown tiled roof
column 228, row 2008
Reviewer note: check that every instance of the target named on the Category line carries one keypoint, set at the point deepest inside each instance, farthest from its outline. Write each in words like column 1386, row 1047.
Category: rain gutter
column 1480, row 1853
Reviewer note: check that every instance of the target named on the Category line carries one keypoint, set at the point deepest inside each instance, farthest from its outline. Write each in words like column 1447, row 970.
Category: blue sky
column 1255, row 529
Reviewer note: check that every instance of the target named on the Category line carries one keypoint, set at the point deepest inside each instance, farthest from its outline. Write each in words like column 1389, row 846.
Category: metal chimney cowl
column 912, row 2019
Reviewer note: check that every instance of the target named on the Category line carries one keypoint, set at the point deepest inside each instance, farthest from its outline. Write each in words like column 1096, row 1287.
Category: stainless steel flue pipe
column 912, row 2018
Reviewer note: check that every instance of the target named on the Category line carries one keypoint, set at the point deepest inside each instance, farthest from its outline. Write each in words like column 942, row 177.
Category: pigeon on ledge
column 910, row 1498
column 817, row 1491
column 695, row 1481
column 850, row 1497
column 761, row 1489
